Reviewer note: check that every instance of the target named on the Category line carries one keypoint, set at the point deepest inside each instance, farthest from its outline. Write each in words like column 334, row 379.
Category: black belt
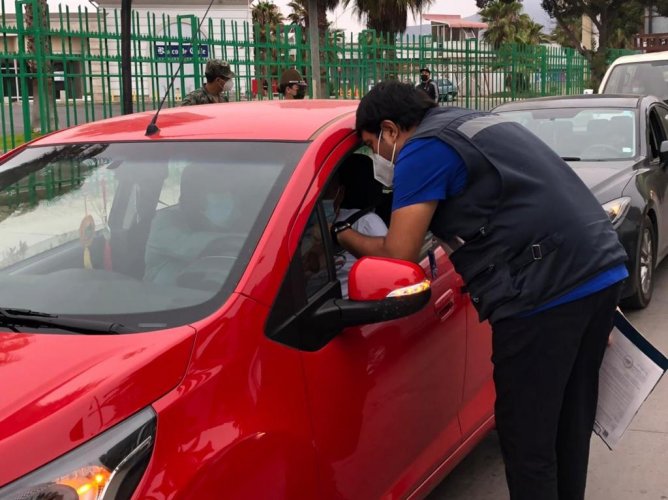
column 534, row 252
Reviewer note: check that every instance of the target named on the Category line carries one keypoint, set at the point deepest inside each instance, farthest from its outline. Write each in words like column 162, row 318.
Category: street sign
column 175, row 50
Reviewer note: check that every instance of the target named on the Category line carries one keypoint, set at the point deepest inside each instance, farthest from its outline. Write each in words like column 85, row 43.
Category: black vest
column 526, row 229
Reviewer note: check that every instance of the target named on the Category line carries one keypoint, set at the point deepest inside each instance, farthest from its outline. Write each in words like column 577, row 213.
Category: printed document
column 631, row 368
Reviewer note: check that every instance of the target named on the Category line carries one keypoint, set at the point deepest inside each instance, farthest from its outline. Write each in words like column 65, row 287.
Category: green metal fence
column 72, row 74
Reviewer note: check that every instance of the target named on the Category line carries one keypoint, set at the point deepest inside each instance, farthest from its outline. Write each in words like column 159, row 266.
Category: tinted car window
column 155, row 232
column 583, row 133
column 645, row 78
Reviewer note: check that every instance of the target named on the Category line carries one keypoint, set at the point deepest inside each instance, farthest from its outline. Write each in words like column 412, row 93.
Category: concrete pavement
column 636, row 469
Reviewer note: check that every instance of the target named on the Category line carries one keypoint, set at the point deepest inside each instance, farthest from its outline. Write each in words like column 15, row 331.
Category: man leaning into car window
column 537, row 253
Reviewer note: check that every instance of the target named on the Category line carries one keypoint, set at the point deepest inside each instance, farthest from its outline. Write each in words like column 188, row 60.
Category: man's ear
column 390, row 130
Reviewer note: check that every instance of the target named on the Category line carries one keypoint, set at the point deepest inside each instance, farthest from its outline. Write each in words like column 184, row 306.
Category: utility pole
column 314, row 41
column 126, row 55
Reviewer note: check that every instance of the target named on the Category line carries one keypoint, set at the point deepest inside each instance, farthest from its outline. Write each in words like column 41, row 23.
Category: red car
column 172, row 325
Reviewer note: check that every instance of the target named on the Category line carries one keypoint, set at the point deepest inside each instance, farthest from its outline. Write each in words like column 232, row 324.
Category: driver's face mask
column 383, row 169
column 218, row 208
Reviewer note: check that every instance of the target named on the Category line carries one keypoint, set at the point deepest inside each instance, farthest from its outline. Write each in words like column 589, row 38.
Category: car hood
column 58, row 391
column 606, row 179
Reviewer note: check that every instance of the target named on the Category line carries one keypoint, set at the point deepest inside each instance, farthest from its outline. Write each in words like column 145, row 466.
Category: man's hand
column 405, row 236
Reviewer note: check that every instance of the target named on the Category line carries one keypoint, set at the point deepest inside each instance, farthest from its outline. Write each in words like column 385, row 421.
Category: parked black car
column 447, row 91
column 618, row 146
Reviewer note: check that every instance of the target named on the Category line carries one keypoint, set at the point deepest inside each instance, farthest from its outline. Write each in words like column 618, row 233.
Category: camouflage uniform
column 214, row 69
column 201, row 96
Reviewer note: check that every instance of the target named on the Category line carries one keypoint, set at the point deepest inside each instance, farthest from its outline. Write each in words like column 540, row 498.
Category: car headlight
column 617, row 209
column 108, row 466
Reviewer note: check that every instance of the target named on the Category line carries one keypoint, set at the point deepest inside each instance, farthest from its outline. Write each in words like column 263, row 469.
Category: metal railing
column 72, row 74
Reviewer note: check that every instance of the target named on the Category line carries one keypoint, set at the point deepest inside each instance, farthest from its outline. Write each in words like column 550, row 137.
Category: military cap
column 218, row 68
column 292, row 76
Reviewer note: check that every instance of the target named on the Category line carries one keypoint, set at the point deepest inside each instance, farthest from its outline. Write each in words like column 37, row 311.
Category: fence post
column 543, row 70
column 23, row 70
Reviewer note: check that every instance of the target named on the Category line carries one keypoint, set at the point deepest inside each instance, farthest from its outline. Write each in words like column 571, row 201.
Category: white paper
column 626, row 378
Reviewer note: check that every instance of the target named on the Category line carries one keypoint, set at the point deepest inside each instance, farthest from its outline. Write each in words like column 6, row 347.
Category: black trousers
column 546, row 377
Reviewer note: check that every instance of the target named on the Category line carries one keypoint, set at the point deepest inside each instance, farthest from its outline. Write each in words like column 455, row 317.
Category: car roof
column 576, row 101
column 652, row 56
column 275, row 120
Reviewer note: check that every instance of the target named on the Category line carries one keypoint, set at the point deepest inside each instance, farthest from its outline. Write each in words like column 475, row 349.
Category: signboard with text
column 177, row 50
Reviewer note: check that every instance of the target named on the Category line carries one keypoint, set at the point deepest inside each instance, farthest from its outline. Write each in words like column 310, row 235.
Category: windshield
column 149, row 235
column 592, row 134
column 645, row 78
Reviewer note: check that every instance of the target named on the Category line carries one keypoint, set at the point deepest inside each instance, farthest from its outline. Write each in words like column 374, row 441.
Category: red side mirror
column 377, row 278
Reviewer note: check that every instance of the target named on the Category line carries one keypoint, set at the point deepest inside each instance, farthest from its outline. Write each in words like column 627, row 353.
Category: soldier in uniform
column 219, row 78
column 292, row 85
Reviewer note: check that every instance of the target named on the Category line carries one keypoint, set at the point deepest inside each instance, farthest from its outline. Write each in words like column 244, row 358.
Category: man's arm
column 405, row 237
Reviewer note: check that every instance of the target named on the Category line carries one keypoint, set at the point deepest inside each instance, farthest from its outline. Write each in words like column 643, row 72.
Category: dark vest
column 526, row 229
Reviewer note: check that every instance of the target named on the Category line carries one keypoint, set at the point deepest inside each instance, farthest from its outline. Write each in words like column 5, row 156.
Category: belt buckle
column 536, row 252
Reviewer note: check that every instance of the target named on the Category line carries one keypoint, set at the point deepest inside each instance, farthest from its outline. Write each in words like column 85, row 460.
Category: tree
column 387, row 16
column 614, row 20
column 505, row 22
column 266, row 17
column 509, row 24
column 484, row 3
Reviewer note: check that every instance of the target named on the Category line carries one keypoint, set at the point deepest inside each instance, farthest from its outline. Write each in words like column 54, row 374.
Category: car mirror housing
column 379, row 290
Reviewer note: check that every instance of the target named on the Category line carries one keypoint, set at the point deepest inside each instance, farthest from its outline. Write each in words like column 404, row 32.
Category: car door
column 657, row 127
column 383, row 397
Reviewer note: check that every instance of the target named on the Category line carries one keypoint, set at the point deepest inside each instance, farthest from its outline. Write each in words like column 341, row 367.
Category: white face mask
column 229, row 86
column 383, row 169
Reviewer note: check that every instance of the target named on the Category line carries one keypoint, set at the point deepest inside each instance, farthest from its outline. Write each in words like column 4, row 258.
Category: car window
column 656, row 132
column 157, row 232
column 592, row 134
column 315, row 258
column 644, row 78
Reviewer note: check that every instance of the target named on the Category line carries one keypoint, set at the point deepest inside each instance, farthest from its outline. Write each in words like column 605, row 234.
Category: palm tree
column 387, row 16
column 299, row 13
column 266, row 18
column 504, row 20
column 531, row 33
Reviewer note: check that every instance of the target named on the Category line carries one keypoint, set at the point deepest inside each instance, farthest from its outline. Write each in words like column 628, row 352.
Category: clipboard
column 631, row 369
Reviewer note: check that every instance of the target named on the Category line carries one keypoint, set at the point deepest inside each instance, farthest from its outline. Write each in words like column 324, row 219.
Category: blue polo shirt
column 430, row 170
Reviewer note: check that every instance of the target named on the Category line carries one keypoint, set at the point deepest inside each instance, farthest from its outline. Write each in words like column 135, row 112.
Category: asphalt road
column 635, row 470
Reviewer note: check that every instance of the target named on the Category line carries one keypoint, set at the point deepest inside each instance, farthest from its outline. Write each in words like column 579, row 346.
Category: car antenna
column 152, row 127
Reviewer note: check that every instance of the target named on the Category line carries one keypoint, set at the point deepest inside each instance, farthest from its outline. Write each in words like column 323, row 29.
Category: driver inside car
column 182, row 234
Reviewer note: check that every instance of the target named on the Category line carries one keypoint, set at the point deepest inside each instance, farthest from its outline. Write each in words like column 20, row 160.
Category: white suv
column 644, row 74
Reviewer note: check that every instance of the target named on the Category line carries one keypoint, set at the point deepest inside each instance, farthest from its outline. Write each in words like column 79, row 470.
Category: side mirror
column 588, row 91
column 379, row 290
column 663, row 152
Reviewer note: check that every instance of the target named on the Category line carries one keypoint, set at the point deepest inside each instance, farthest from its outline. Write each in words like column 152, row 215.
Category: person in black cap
column 292, row 85
column 427, row 84
column 219, row 79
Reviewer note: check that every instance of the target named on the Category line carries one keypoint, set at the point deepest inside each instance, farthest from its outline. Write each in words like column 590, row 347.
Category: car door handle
column 445, row 305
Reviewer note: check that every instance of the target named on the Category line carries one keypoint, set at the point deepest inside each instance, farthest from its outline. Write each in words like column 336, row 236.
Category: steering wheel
column 206, row 273
column 213, row 265
column 229, row 245
column 600, row 150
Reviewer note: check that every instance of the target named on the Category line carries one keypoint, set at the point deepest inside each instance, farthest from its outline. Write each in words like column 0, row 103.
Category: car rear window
column 150, row 235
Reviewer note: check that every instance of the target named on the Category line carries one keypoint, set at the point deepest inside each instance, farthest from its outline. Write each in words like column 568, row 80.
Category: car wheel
column 643, row 268
column 450, row 97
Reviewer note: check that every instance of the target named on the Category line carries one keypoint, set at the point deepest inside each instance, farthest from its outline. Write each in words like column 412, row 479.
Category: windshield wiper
column 570, row 158
column 34, row 319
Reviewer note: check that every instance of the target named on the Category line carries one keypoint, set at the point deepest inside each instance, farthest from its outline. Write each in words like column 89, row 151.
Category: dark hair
column 391, row 100
column 361, row 189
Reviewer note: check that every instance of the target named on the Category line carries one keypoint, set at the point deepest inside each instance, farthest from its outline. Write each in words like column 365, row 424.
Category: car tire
column 643, row 268
column 449, row 97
